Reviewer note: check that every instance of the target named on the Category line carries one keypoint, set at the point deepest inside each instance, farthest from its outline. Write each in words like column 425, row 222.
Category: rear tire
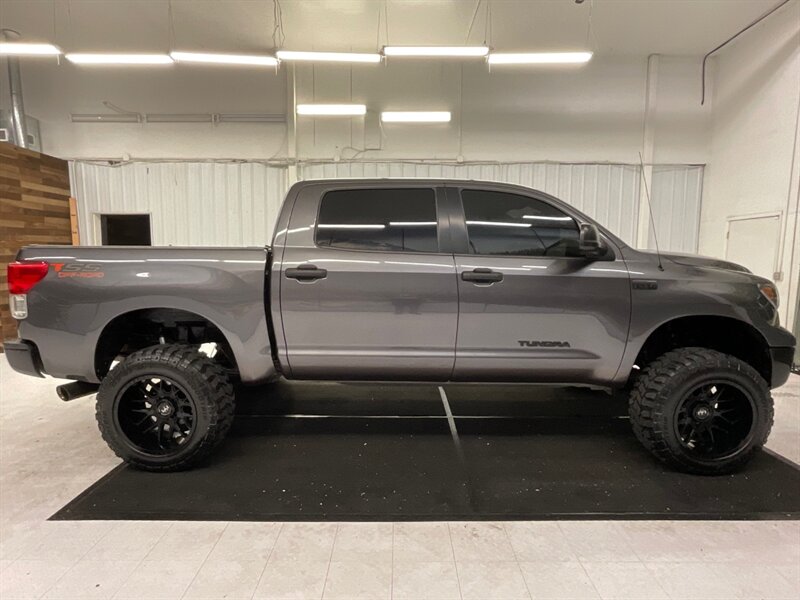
column 165, row 408
column 701, row 411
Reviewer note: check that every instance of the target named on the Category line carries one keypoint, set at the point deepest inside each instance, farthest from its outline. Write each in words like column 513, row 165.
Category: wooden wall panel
column 34, row 209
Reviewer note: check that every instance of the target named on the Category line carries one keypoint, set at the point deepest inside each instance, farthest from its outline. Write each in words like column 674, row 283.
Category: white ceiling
column 621, row 27
column 625, row 32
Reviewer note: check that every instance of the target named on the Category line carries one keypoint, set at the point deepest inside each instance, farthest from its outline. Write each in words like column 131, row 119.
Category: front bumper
column 782, row 358
column 23, row 356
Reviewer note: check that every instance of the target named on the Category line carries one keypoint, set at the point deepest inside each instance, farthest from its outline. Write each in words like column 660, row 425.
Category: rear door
column 531, row 308
column 367, row 291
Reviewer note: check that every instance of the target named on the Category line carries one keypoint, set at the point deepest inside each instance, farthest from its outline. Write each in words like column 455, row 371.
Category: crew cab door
column 365, row 292
column 531, row 307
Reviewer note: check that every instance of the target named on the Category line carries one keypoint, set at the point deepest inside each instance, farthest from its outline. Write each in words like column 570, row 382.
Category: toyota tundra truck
column 405, row 280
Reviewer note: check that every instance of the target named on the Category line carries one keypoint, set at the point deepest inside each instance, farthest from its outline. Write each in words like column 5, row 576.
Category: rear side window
column 402, row 220
column 499, row 223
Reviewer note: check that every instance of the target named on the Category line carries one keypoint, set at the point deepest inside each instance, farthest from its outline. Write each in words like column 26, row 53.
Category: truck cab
column 439, row 281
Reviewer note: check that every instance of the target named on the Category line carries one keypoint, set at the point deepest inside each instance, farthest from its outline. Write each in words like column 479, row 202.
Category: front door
column 365, row 292
column 531, row 308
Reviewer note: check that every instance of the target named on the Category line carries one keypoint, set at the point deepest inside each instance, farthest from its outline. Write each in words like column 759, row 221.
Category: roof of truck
column 407, row 179
column 411, row 180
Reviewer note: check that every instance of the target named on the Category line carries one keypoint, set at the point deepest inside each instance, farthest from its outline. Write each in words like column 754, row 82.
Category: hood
column 693, row 260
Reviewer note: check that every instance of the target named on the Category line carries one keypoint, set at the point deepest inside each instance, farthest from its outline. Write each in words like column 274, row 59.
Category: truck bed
column 89, row 289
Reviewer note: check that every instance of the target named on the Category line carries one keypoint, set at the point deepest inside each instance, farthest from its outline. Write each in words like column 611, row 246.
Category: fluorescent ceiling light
column 22, row 49
column 332, row 109
column 225, row 59
column 416, row 116
column 349, row 226
column 538, row 218
column 422, row 51
column 412, row 223
column 539, row 58
column 497, row 224
column 119, row 59
column 356, row 57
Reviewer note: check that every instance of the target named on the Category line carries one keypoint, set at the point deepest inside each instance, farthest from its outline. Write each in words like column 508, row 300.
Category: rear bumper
column 782, row 358
column 23, row 356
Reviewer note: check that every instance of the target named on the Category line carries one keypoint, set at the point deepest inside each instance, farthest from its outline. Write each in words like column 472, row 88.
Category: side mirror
column 589, row 242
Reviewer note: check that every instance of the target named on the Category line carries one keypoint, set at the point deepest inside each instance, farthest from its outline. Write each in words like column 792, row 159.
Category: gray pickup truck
column 405, row 280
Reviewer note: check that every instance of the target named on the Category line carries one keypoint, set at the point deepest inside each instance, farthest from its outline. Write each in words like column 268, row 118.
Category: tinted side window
column 401, row 220
column 509, row 224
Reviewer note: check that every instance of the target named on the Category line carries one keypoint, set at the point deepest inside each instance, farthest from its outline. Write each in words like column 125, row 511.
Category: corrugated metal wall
column 677, row 193
column 233, row 204
column 191, row 204
column 606, row 192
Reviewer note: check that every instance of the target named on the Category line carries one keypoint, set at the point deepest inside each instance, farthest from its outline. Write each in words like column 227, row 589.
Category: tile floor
column 50, row 451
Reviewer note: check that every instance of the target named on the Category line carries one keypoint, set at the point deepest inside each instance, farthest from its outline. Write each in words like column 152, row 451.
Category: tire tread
column 646, row 405
column 191, row 362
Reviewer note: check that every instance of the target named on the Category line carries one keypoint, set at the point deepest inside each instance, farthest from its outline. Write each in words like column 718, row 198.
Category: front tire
column 165, row 408
column 701, row 411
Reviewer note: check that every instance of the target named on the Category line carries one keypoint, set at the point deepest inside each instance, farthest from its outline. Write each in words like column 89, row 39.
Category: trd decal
column 83, row 270
column 542, row 344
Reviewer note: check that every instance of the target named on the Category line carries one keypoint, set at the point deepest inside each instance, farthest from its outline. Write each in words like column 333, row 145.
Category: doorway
column 125, row 230
column 752, row 241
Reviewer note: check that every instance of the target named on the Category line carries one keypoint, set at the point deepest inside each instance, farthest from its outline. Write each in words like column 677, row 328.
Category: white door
column 753, row 242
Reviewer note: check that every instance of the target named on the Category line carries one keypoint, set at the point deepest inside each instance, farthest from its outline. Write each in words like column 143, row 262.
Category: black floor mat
column 386, row 452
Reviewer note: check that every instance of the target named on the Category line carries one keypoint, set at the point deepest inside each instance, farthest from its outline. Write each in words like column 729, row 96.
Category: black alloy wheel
column 165, row 408
column 701, row 411
column 715, row 420
column 156, row 415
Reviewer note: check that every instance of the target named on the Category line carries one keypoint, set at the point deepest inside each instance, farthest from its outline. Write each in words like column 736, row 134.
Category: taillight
column 22, row 276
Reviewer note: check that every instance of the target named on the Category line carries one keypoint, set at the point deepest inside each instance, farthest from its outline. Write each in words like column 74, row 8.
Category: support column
column 789, row 261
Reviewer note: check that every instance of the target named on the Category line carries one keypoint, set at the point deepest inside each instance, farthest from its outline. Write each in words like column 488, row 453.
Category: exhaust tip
column 76, row 389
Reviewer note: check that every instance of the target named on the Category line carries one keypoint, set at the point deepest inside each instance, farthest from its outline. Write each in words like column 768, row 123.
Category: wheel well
column 139, row 329
column 723, row 334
